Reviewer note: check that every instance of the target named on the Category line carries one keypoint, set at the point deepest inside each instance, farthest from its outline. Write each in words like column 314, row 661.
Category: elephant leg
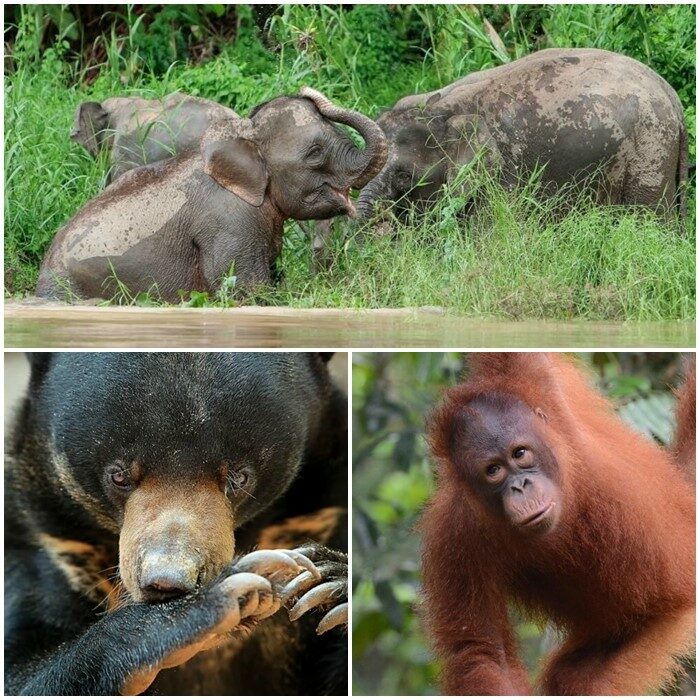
column 250, row 262
column 653, row 185
column 322, row 234
column 276, row 272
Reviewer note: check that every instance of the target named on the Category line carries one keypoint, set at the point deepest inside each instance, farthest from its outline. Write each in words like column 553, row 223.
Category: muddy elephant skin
column 138, row 131
column 182, row 223
column 577, row 112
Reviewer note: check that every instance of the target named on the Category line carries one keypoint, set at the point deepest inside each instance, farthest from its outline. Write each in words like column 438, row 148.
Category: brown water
column 47, row 326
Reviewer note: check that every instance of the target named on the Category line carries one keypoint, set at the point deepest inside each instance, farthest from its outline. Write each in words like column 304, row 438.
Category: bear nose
column 165, row 577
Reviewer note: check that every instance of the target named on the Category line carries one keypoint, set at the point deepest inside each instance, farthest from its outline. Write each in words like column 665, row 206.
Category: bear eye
column 120, row 477
column 237, row 481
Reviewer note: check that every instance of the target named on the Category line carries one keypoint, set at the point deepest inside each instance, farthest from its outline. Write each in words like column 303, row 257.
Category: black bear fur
column 83, row 410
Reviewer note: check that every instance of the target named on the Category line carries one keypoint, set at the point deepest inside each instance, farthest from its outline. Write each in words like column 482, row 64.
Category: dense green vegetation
column 515, row 258
column 392, row 479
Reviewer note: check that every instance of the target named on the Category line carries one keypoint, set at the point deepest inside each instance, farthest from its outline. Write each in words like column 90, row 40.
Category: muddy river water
column 30, row 325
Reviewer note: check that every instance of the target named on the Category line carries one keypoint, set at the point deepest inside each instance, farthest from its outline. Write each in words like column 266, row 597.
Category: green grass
column 514, row 258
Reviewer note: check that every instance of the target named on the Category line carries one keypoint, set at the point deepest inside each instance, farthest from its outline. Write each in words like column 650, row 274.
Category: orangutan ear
column 236, row 164
column 541, row 414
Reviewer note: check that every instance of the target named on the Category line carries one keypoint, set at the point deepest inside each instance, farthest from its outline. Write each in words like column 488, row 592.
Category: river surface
column 50, row 326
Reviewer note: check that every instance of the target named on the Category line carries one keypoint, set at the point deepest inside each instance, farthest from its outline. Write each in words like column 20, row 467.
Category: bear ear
column 39, row 363
column 325, row 356
column 237, row 165
column 90, row 122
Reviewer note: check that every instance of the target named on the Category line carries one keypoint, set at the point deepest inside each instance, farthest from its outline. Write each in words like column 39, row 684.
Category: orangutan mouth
column 538, row 517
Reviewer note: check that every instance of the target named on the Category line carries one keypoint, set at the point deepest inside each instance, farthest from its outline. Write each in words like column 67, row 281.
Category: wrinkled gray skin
column 574, row 111
column 181, row 223
column 139, row 132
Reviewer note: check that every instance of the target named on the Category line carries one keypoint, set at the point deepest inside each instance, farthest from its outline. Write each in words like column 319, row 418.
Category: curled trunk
column 372, row 159
column 373, row 192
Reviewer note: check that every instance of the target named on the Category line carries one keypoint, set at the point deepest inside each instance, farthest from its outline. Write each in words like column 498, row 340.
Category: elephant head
column 291, row 151
column 137, row 131
column 427, row 147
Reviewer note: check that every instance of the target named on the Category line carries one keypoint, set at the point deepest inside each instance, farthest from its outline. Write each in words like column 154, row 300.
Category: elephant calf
column 576, row 112
column 181, row 223
column 138, row 131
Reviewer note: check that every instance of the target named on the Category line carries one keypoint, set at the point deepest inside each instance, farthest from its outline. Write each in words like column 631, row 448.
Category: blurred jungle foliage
column 392, row 479
column 364, row 51
column 629, row 266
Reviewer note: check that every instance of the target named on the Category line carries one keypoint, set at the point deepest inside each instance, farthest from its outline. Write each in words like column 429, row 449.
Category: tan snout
column 175, row 537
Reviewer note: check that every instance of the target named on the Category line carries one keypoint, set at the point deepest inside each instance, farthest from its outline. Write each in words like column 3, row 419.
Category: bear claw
column 253, row 594
column 274, row 562
column 298, row 585
column 337, row 616
column 320, row 595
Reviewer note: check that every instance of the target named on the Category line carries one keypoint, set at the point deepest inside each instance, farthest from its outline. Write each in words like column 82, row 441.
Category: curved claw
column 241, row 584
column 337, row 616
column 248, row 590
column 267, row 562
column 302, row 560
column 268, row 606
column 298, row 585
column 323, row 593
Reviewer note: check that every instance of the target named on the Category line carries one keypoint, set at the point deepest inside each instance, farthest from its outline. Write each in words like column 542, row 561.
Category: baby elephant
column 139, row 131
column 576, row 112
column 184, row 222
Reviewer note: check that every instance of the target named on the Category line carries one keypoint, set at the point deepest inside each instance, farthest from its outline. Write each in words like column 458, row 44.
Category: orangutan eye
column 493, row 470
column 518, row 452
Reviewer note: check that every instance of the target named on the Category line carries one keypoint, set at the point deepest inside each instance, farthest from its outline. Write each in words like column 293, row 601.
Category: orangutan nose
column 521, row 485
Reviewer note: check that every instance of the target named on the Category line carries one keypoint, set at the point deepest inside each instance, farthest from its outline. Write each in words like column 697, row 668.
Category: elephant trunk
column 372, row 159
column 371, row 193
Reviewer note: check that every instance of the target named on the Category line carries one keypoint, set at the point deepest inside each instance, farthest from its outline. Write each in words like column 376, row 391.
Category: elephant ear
column 236, row 164
column 433, row 100
column 467, row 136
column 89, row 125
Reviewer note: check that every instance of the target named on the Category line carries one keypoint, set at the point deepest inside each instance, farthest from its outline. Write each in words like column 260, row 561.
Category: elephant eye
column 403, row 179
column 314, row 153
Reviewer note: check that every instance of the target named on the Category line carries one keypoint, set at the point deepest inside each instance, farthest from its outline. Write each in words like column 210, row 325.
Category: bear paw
column 328, row 592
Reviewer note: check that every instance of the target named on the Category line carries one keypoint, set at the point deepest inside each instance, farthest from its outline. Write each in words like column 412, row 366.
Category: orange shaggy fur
column 684, row 444
column 616, row 574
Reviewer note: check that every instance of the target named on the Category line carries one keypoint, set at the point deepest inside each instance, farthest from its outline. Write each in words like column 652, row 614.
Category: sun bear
column 162, row 510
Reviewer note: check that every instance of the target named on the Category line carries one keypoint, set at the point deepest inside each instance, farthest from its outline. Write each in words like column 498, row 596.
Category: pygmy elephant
column 138, row 131
column 576, row 113
column 183, row 222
